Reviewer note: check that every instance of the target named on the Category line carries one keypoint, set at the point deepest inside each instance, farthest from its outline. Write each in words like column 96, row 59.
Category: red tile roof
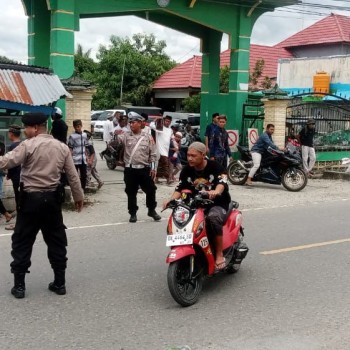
column 331, row 29
column 185, row 75
column 188, row 74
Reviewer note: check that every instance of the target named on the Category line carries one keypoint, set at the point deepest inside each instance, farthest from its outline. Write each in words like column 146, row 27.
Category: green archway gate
column 52, row 23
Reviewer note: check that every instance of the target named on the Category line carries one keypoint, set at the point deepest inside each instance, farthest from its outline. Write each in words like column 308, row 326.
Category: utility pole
column 121, row 83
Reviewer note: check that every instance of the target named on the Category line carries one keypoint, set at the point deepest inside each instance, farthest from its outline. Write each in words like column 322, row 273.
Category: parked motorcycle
column 277, row 167
column 112, row 154
column 191, row 257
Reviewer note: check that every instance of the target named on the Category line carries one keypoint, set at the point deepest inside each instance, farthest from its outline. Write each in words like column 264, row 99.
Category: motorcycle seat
column 232, row 205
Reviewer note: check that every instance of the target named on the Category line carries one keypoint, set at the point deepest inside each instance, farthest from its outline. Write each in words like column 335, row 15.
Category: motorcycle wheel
column 111, row 165
column 294, row 180
column 236, row 175
column 183, row 289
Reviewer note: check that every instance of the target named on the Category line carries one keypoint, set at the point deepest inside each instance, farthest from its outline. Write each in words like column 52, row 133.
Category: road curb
column 336, row 175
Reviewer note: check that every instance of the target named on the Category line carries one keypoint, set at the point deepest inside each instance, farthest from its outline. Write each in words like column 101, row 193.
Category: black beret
column 32, row 119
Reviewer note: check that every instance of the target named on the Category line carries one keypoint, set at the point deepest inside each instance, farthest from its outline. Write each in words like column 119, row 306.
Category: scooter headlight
column 181, row 215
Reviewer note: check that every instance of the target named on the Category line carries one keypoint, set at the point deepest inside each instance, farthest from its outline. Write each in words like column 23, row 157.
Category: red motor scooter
column 191, row 257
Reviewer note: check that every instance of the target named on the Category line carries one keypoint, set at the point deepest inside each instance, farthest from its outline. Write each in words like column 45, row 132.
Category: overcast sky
column 270, row 29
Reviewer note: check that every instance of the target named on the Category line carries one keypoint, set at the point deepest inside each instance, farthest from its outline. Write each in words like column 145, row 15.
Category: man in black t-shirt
column 211, row 176
column 306, row 139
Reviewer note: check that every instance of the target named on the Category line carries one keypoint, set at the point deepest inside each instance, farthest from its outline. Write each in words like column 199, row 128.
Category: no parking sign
column 233, row 139
column 252, row 137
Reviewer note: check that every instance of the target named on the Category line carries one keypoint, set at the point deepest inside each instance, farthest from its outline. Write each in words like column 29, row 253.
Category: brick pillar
column 275, row 113
column 79, row 107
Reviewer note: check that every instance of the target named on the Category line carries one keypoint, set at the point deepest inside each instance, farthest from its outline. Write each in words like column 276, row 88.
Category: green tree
column 192, row 104
column 4, row 59
column 130, row 66
column 224, row 79
column 267, row 83
column 255, row 82
column 84, row 66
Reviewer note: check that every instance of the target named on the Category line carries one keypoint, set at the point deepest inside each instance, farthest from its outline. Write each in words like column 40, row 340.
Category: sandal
column 10, row 227
column 13, row 215
column 220, row 266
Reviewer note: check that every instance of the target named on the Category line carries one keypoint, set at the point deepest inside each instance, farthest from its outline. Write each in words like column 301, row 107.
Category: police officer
column 139, row 156
column 42, row 158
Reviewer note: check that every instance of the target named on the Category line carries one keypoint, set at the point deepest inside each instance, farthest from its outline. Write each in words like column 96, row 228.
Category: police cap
column 133, row 117
column 31, row 119
column 15, row 129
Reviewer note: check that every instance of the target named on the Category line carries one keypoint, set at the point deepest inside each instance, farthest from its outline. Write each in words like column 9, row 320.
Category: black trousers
column 15, row 185
column 135, row 178
column 81, row 169
column 39, row 211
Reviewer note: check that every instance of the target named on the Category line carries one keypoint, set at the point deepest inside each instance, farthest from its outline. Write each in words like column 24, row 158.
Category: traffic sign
column 233, row 139
column 252, row 137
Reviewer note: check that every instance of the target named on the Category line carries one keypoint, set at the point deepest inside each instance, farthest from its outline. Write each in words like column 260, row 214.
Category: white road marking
column 294, row 205
column 93, row 226
column 306, row 246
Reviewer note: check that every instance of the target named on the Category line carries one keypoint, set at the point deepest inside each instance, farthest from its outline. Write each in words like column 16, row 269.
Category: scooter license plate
column 179, row 239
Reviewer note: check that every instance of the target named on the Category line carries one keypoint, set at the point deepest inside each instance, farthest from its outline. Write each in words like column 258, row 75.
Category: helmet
column 58, row 111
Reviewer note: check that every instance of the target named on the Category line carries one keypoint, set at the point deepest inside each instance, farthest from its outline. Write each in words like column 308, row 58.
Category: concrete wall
column 299, row 72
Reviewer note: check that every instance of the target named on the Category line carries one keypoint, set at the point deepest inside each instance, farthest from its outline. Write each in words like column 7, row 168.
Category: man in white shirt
column 122, row 126
column 107, row 132
column 163, row 138
column 108, row 129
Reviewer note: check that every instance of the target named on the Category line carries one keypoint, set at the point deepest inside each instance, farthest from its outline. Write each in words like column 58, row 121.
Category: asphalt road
column 291, row 292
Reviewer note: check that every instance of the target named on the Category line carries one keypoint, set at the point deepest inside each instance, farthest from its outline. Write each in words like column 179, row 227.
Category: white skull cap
column 58, row 111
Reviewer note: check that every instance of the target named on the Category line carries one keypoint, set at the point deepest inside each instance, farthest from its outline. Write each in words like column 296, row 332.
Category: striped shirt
column 77, row 143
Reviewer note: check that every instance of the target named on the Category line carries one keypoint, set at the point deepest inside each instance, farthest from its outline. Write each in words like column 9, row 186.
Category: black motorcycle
column 112, row 154
column 277, row 167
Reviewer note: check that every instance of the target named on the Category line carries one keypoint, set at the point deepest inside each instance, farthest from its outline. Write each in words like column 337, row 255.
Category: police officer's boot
column 153, row 214
column 18, row 290
column 59, row 284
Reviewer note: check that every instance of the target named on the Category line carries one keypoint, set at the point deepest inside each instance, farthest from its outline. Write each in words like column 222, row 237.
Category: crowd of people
column 42, row 165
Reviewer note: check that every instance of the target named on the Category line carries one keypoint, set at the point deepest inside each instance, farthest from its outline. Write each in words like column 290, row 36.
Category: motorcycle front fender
column 179, row 252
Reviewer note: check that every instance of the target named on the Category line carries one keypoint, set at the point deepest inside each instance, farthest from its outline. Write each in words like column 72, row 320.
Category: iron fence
column 253, row 117
column 332, row 119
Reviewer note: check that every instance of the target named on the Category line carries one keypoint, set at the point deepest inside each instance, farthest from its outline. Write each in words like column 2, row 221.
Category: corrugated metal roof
column 36, row 88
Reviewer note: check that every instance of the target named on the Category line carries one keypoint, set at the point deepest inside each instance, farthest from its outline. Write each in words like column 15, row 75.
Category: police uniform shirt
column 145, row 152
column 43, row 158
